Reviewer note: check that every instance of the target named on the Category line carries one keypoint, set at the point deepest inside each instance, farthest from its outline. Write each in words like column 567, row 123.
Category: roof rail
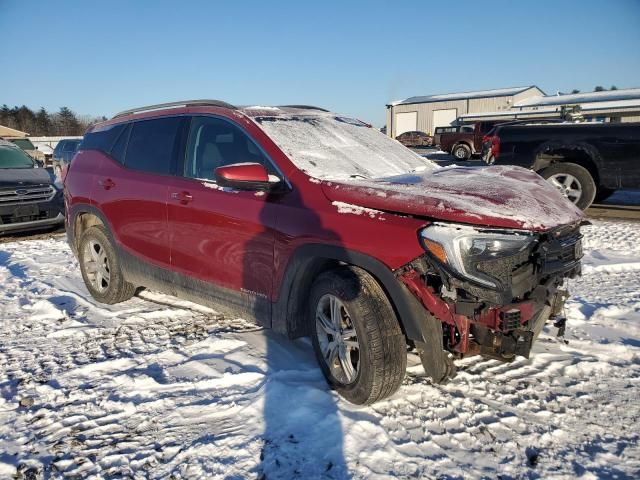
column 183, row 103
column 306, row 107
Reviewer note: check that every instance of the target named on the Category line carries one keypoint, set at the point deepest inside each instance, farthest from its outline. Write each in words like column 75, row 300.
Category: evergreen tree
column 5, row 113
column 599, row 89
column 43, row 123
column 68, row 122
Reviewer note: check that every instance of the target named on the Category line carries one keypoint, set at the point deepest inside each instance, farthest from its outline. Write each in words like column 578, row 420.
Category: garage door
column 443, row 118
column 406, row 122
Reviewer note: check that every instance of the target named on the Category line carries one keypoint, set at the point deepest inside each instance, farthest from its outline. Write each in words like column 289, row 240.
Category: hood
column 19, row 177
column 494, row 196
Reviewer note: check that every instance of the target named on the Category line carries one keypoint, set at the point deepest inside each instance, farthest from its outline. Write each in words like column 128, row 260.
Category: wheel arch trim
column 74, row 213
column 288, row 315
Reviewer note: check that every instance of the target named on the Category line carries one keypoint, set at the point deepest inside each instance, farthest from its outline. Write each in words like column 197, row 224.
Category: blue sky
column 350, row 56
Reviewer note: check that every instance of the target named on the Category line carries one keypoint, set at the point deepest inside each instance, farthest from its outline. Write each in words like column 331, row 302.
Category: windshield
column 11, row 157
column 334, row 147
column 24, row 143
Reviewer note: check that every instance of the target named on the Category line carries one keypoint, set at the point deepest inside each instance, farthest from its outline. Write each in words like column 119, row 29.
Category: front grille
column 40, row 215
column 26, row 195
column 561, row 253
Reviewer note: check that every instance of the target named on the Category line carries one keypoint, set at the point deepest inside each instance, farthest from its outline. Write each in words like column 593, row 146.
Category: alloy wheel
column 568, row 185
column 96, row 265
column 460, row 153
column 337, row 339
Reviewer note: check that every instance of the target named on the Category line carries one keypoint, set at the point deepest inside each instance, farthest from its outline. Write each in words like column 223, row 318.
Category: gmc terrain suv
column 29, row 198
column 314, row 223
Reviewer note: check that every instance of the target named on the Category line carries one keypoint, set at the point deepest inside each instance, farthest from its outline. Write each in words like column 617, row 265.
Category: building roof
column 11, row 132
column 497, row 92
column 576, row 98
column 587, row 108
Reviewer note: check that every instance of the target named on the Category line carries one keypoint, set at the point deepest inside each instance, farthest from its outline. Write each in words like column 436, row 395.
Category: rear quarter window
column 102, row 139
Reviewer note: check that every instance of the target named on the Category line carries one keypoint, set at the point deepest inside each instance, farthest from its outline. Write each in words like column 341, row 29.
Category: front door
column 222, row 237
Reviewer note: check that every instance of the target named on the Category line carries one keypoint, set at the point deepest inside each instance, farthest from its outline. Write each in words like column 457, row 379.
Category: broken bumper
column 498, row 323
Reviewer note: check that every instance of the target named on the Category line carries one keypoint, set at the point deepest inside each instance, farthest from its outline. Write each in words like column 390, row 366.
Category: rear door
column 132, row 186
column 218, row 235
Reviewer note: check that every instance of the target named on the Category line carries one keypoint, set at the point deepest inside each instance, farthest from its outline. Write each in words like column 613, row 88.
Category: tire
column 436, row 362
column 461, row 152
column 574, row 182
column 101, row 270
column 380, row 362
column 603, row 193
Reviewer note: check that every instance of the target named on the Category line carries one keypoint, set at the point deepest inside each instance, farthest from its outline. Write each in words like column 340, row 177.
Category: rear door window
column 153, row 145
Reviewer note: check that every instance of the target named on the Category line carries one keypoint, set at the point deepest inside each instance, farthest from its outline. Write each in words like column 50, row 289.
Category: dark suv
column 314, row 223
column 64, row 151
column 29, row 198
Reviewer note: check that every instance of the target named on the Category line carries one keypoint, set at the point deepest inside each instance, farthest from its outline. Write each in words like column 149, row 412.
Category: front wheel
column 356, row 336
column 574, row 182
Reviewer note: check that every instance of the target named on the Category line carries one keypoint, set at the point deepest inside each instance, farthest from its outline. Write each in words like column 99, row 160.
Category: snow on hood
column 497, row 196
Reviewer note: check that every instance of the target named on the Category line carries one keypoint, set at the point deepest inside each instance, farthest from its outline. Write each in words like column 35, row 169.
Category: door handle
column 106, row 183
column 182, row 197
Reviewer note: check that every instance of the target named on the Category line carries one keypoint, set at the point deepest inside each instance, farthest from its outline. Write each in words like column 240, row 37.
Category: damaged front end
column 493, row 290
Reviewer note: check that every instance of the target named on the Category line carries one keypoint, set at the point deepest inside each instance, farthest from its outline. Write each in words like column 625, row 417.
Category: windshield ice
column 335, row 147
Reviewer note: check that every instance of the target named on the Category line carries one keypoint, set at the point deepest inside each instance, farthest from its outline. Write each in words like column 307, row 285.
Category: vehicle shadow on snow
column 303, row 435
column 15, row 269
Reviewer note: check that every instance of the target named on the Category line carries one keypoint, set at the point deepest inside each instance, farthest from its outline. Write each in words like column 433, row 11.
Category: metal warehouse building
column 606, row 106
column 428, row 112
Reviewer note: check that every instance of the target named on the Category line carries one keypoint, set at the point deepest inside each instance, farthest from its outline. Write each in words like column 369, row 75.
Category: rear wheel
column 574, row 182
column 100, row 267
column 461, row 152
column 356, row 336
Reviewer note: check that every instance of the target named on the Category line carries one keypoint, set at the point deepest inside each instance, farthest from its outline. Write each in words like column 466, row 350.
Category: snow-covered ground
column 156, row 388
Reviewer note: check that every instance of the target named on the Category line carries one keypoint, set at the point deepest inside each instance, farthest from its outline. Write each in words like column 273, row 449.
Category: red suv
column 316, row 224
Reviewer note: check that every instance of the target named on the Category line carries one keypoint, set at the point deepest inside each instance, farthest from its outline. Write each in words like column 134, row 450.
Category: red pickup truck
column 463, row 141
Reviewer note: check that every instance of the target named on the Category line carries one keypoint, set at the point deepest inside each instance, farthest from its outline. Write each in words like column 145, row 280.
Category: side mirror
column 245, row 176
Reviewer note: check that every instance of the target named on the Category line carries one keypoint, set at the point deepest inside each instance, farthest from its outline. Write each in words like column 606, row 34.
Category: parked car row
column 315, row 224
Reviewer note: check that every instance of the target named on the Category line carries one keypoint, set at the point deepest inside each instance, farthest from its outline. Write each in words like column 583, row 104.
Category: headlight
column 467, row 250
